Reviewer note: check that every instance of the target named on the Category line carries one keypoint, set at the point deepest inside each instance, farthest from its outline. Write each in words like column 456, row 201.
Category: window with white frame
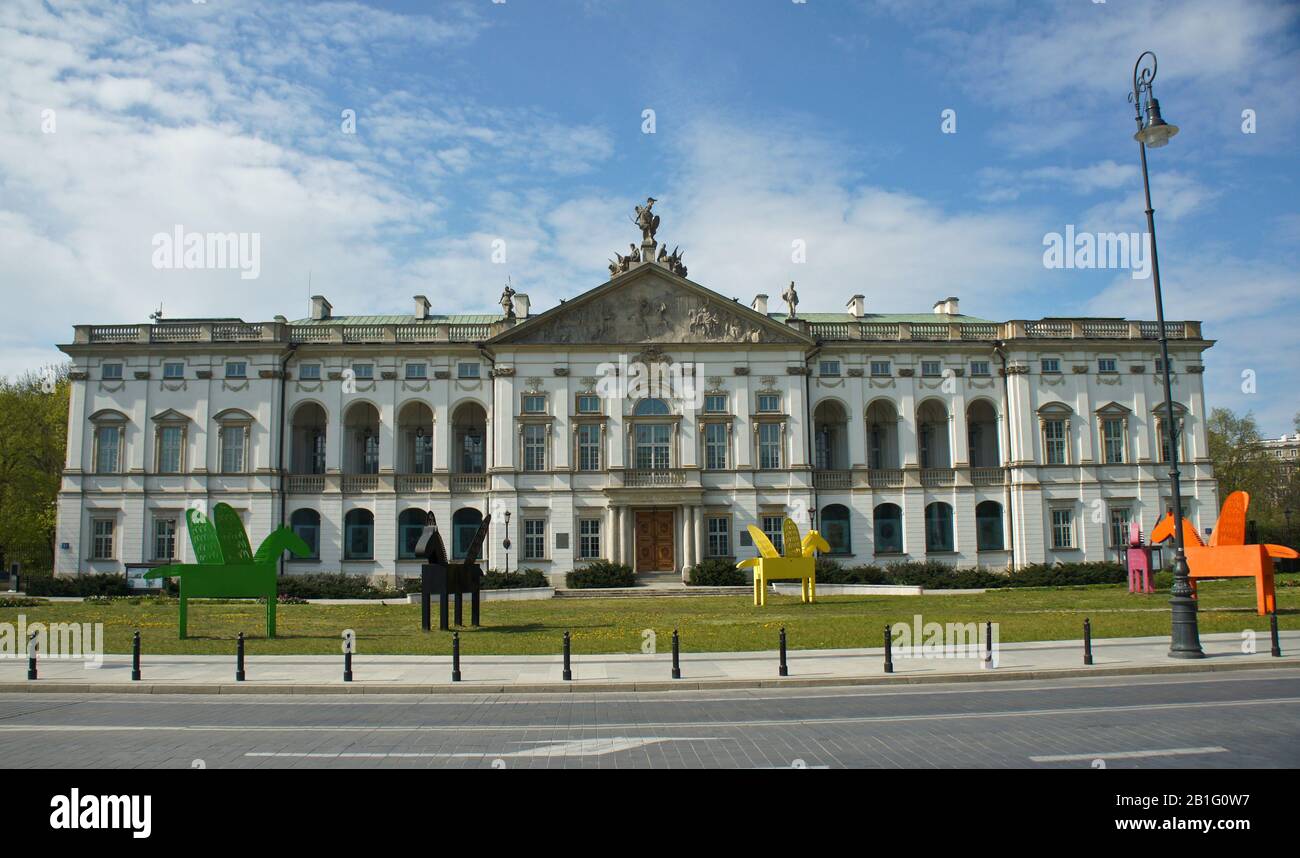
column 417, row 371
column 534, row 539
column 467, row 370
column 236, row 369
column 173, row 370
column 534, row 438
column 773, row 527
column 1062, row 528
column 363, row 371
column 1050, row 366
column 111, row 371
column 309, row 372
column 769, row 445
column 588, row 538
column 828, row 368
column 171, row 446
column 102, row 539
column 588, row 403
column 1107, row 365
column 718, row 529
column 1054, row 440
column 533, row 403
column 931, row 368
column 715, row 403
column 652, row 450
column 234, row 438
column 715, row 446
column 589, row 446
column 109, row 439
column 1120, row 518
column 980, row 369
column 164, row 538
column 1112, row 440
column 880, row 368
column 1160, row 365
column 769, row 402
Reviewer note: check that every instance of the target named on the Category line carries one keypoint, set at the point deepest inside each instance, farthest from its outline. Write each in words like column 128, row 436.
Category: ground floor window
column 719, row 536
column 410, row 524
column 306, row 524
column 464, row 527
column 359, row 535
column 889, row 529
column 988, row 526
column 534, row 539
column 1062, row 528
column 102, row 547
column 164, row 539
column 835, row 529
column 938, row 527
column 774, row 530
column 1120, row 517
column 589, row 538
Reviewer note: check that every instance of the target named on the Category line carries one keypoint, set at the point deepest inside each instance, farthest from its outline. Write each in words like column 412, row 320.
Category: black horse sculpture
column 446, row 578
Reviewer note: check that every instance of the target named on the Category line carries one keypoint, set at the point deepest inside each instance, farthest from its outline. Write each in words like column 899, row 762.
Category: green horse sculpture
column 227, row 568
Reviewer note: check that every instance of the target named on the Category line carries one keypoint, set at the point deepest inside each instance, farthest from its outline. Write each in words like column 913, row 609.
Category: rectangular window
column 719, row 536
column 467, row 370
column 588, row 404
column 309, row 372
column 715, row 446
column 769, row 402
column 310, row 534
column 773, row 529
column 880, row 368
column 1120, row 517
column 653, row 447
column 534, row 447
column 1106, row 365
column 236, row 369
column 931, row 368
column 1051, row 365
column 111, row 371
column 361, row 541
column 1160, row 366
column 363, row 371
column 589, row 539
column 715, row 403
column 232, row 449
column 169, row 449
column 1054, row 441
column 829, row 368
column 534, row 539
column 102, row 545
column 1112, row 439
column 589, row 446
column 1062, row 528
column 417, row 371
column 534, row 404
column 769, row 445
column 164, row 539
column 108, row 442
column 980, row 369
column 173, row 370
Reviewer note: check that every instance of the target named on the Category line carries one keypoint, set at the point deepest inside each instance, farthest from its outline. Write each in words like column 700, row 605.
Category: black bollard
column 455, row 656
column 1272, row 630
column 31, row 656
column 135, row 657
column 239, row 658
column 1087, row 641
column 988, row 645
column 347, row 664
column 568, row 673
column 784, row 670
column 889, row 651
column 677, row 667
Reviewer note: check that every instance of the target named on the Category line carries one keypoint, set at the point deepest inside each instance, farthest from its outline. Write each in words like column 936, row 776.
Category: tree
column 1241, row 463
column 33, row 440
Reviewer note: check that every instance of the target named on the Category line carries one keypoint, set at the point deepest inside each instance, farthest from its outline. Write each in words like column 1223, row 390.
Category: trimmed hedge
column 717, row 572
column 331, row 585
column 105, row 584
column 522, row 580
column 599, row 575
column 941, row 576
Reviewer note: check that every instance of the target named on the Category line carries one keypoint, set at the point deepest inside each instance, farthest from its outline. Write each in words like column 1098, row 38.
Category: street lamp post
column 505, row 543
column 1185, row 640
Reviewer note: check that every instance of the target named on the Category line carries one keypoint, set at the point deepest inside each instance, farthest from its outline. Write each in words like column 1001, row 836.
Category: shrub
column 933, row 575
column 1067, row 575
column 20, row 602
column 717, row 572
column 330, row 585
column 830, row 572
column 601, row 574
column 523, row 579
column 106, row 584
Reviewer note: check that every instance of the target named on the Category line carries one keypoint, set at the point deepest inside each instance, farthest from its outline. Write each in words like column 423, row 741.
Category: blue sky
column 774, row 122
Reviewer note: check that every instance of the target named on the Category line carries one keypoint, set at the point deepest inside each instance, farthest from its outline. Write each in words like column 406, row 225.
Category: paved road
column 1198, row 721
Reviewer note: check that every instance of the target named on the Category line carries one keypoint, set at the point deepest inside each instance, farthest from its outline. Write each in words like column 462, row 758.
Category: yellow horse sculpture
column 798, row 564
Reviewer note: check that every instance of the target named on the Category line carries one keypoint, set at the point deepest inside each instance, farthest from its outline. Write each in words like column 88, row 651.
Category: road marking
column 665, row 725
column 576, row 748
column 1128, row 755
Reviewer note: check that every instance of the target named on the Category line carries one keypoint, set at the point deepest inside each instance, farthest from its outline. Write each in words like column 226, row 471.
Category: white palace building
column 646, row 421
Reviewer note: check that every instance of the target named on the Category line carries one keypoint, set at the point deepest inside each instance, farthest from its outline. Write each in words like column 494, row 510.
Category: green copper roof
column 465, row 319
column 914, row 318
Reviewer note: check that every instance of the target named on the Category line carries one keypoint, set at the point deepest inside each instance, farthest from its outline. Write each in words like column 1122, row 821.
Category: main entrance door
column 654, row 540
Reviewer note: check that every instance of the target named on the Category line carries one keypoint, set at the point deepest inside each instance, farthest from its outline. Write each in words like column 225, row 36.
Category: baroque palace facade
column 646, row 421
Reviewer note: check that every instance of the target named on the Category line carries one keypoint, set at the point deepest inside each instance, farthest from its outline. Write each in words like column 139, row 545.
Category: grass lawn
column 707, row 624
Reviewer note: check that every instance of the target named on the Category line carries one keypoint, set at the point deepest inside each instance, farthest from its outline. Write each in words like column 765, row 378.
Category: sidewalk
column 315, row 674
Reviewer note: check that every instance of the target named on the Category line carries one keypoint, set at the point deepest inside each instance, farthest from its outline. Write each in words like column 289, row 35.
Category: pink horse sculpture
column 1139, row 561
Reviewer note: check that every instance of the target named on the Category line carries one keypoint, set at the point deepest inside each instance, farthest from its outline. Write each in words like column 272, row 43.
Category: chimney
column 320, row 308
column 760, row 304
column 857, row 306
column 281, row 320
column 521, row 305
column 421, row 307
column 947, row 306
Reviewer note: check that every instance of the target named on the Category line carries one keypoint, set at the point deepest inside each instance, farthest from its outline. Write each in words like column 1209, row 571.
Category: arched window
column 359, row 535
column 888, row 529
column 835, row 529
column 306, row 524
column 651, row 408
column 938, row 527
column 988, row 526
column 464, row 524
column 410, row 524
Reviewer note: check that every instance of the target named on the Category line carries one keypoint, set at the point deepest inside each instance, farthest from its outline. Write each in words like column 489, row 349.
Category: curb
column 601, row 686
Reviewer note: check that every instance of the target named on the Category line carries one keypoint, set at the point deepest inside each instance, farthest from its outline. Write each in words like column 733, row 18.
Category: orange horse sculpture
column 1228, row 555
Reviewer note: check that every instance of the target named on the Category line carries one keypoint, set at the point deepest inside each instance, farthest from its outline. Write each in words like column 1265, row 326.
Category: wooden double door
column 655, row 547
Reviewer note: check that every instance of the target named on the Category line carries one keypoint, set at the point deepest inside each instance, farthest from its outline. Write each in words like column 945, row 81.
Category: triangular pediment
column 650, row 304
